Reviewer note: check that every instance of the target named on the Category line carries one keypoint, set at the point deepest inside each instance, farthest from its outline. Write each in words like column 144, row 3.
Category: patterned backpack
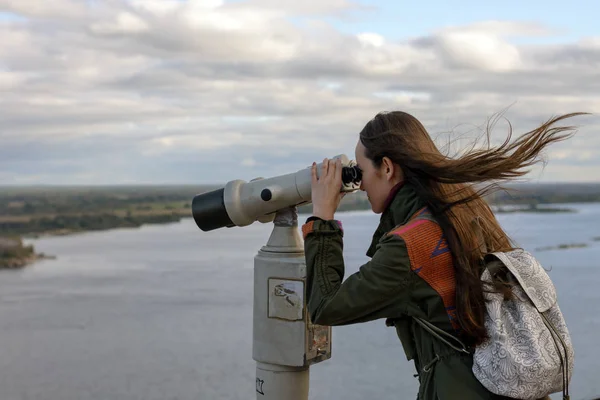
column 529, row 353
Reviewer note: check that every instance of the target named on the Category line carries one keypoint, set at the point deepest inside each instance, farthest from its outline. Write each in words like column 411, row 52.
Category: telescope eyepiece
column 351, row 175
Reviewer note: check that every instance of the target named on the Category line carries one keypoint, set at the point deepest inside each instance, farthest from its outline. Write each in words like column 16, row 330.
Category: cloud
column 165, row 90
column 57, row 9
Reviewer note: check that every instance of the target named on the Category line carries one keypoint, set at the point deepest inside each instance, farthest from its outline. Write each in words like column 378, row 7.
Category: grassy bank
column 36, row 225
column 57, row 211
column 13, row 254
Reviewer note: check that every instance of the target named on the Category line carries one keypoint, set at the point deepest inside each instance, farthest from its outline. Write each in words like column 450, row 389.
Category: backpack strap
column 443, row 336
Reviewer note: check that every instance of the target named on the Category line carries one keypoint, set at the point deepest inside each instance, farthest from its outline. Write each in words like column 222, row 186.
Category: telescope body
column 241, row 203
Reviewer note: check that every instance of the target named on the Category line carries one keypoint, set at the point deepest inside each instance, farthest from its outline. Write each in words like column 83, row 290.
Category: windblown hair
column 451, row 188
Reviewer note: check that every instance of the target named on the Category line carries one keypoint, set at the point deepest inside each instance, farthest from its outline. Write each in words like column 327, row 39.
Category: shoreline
column 20, row 263
column 133, row 221
column 34, row 227
column 176, row 217
column 16, row 263
column 15, row 255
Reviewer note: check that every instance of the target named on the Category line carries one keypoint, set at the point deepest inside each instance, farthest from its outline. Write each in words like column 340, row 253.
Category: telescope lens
column 351, row 175
column 209, row 210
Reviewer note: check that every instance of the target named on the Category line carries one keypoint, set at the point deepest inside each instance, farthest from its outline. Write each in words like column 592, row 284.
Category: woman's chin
column 374, row 208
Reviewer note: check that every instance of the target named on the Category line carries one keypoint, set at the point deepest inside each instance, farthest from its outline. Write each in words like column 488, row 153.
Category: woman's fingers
column 333, row 172
column 338, row 171
column 330, row 170
column 324, row 168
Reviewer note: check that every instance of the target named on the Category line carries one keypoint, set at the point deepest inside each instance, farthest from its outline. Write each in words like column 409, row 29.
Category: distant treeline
column 546, row 194
column 38, row 200
column 59, row 210
column 62, row 224
column 56, row 200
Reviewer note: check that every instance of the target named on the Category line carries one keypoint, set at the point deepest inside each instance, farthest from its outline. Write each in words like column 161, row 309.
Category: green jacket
column 387, row 287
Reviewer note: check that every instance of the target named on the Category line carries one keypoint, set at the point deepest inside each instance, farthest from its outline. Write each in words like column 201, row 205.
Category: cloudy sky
column 205, row 91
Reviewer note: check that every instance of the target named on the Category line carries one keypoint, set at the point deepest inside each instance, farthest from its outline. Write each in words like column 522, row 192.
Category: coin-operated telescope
column 284, row 340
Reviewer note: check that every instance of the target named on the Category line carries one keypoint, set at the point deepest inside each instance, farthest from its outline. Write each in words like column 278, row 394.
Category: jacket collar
column 392, row 194
column 400, row 205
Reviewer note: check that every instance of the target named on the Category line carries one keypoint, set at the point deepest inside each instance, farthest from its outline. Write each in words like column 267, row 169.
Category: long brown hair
column 448, row 186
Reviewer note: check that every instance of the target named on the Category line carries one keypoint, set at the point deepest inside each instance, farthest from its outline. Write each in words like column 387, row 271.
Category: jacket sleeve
column 378, row 290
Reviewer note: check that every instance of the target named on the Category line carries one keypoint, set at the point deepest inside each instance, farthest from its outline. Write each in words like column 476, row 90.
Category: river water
column 164, row 312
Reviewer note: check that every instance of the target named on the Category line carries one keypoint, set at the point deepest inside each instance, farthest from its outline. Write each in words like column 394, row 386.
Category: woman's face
column 377, row 182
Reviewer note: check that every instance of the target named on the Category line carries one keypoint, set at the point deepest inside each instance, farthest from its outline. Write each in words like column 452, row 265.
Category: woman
column 428, row 268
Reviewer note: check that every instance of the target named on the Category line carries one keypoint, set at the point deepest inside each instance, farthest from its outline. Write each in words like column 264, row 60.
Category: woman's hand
column 325, row 190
